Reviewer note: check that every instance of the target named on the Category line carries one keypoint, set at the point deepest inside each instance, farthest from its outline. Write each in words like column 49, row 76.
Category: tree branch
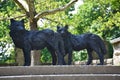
column 44, row 13
column 32, row 13
column 31, row 6
column 22, row 5
column 52, row 20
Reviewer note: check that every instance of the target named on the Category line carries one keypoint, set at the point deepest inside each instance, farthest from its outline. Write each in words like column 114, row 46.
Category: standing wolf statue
column 34, row 40
column 88, row 41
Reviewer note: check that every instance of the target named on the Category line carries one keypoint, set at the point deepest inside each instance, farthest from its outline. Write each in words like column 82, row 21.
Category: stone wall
column 95, row 62
column 116, row 54
column 35, row 58
column 116, row 58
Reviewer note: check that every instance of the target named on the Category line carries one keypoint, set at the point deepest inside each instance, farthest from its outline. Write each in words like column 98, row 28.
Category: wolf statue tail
column 102, row 45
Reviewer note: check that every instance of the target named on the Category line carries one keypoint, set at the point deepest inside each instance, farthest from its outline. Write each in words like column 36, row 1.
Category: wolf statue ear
column 66, row 26
column 22, row 20
column 12, row 20
column 58, row 27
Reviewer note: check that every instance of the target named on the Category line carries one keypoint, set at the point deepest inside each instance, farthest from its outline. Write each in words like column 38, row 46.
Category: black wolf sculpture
column 34, row 40
column 88, row 41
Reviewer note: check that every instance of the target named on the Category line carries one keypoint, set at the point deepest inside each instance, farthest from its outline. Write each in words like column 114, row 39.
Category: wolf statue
column 36, row 40
column 88, row 41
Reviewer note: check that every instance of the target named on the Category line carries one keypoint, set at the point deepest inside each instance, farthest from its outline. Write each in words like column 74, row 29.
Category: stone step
column 64, row 77
column 64, row 69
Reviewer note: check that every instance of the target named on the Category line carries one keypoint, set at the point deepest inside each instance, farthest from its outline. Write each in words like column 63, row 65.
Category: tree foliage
column 101, row 17
column 6, row 53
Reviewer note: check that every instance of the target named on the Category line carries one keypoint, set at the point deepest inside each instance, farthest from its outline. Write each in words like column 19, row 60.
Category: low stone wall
column 116, row 58
column 116, row 55
column 95, row 62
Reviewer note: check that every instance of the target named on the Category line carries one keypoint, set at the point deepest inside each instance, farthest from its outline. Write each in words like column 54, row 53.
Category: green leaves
column 100, row 17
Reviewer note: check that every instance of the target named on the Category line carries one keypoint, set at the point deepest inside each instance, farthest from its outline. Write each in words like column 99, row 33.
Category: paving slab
column 64, row 77
column 67, row 69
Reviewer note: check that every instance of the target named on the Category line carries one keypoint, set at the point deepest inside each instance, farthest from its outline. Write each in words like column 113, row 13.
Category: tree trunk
column 35, row 57
column 35, row 54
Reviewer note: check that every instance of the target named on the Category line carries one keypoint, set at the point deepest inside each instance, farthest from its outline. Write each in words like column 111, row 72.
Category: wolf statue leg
column 27, row 54
column 53, row 54
column 90, row 58
column 60, row 57
column 101, row 57
column 27, row 58
column 69, row 56
column 100, row 54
